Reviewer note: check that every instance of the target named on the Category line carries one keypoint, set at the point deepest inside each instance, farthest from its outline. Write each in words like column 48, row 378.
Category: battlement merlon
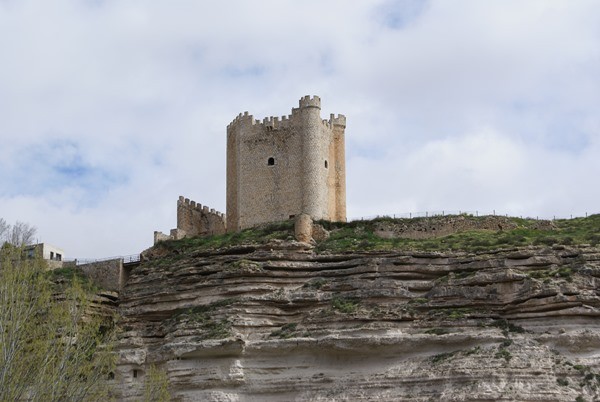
column 308, row 101
column 243, row 117
column 193, row 205
column 340, row 120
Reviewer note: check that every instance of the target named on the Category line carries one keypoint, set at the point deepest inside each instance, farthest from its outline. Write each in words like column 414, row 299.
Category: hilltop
column 439, row 233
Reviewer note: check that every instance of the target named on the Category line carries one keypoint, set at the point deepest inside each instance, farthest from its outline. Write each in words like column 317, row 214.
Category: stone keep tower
column 280, row 168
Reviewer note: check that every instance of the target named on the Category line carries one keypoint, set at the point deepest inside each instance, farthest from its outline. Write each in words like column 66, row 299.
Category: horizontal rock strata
column 281, row 322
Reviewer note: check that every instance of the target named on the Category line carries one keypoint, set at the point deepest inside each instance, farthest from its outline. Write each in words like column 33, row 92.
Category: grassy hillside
column 359, row 235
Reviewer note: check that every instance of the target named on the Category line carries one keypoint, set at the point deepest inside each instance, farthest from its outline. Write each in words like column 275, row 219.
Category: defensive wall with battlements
column 194, row 219
column 279, row 168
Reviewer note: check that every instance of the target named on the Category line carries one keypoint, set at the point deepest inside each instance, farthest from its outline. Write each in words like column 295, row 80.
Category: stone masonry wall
column 280, row 168
column 438, row 226
column 106, row 274
column 198, row 220
column 193, row 219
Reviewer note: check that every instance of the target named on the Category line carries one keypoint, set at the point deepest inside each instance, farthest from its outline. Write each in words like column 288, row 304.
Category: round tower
column 339, row 141
column 314, row 201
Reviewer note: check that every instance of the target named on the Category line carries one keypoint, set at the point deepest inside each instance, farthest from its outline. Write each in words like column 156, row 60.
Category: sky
column 111, row 109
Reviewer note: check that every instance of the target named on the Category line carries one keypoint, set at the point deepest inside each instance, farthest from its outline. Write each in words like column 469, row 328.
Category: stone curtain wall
column 438, row 226
column 197, row 220
column 282, row 167
column 105, row 274
column 193, row 219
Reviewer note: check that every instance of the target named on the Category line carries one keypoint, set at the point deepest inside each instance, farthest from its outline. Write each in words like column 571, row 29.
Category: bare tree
column 4, row 229
column 22, row 234
column 19, row 234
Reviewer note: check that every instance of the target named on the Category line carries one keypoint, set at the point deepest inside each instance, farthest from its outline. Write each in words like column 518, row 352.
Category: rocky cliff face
column 281, row 322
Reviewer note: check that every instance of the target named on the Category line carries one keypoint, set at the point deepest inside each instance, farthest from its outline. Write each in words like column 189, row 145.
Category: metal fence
column 426, row 214
column 133, row 258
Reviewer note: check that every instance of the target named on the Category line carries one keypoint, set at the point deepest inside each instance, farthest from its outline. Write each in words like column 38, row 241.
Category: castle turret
column 313, row 158
column 232, row 179
column 339, row 167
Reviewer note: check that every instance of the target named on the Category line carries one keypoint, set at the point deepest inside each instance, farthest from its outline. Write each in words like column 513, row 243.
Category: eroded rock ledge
column 281, row 322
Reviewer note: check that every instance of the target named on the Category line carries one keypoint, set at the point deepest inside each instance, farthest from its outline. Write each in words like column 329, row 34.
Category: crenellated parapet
column 310, row 101
column 194, row 219
column 245, row 121
column 186, row 203
column 339, row 120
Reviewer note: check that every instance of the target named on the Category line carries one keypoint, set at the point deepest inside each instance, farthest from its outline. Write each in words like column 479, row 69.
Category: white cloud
column 111, row 109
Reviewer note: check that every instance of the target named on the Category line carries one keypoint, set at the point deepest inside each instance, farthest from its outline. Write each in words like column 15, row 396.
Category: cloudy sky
column 111, row 109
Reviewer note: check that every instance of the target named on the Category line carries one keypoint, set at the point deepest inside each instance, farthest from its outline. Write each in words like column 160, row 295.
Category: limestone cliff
column 280, row 322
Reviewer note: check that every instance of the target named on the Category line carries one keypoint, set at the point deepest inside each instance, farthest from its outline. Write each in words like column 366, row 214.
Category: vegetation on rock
column 361, row 236
column 51, row 347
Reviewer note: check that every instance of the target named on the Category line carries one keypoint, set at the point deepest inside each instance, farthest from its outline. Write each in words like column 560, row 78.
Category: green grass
column 453, row 313
column 503, row 354
column 210, row 327
column 287, row 331
column 315, row 284
column 344, row 305
column 69, row 274
column 259, row 235
column 437, row 331
column 442, row 357
column 507, row 327
column 360, row 235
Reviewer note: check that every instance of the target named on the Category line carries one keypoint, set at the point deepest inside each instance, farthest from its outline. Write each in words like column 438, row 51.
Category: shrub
column 286, row 331
column 344, row 305
column 437, row 331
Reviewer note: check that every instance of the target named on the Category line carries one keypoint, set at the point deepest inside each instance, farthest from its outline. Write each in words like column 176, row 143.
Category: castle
column 277, row 169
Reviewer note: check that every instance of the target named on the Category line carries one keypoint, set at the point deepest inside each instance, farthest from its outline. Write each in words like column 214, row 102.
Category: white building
column 53, row 255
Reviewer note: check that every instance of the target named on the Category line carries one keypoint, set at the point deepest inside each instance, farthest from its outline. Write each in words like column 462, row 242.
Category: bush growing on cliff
column 210, row 326
column 156, row 385
column 344, row 305
column 52, row 349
